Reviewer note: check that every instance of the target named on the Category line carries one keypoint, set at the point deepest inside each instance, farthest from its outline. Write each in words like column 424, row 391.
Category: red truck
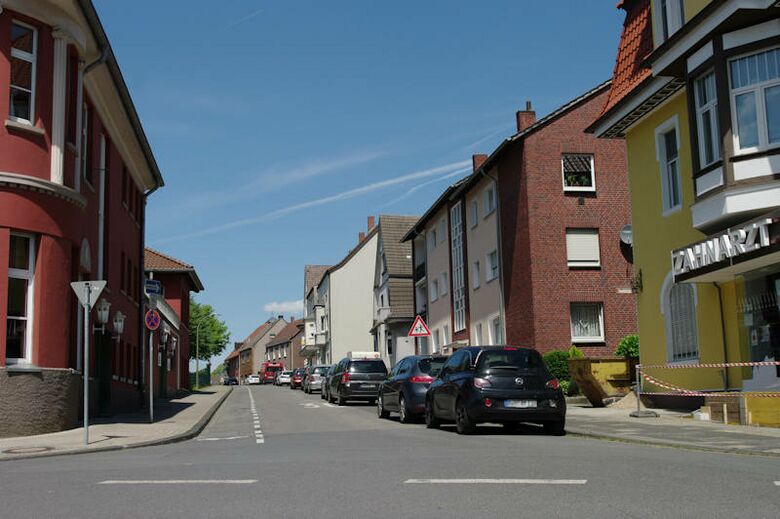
column 269, row 370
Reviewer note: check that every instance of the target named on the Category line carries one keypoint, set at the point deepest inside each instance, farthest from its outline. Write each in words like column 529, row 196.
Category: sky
column 280, row 125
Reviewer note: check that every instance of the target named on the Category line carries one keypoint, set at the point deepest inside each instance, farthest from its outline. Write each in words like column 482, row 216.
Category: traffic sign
column 152, row 319
column 88, row 291
column 419, row 328
column 152, row 287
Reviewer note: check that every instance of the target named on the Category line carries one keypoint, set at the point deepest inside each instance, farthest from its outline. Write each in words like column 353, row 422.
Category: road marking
column 328, row 404
column 777, row 483
column 215, row 439
column 178, row 482
column 309, row 405
column 260, row 440
column 255, row 419
column 498, row 481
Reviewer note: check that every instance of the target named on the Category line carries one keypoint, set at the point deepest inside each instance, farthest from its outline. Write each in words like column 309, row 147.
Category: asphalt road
column 307, row 459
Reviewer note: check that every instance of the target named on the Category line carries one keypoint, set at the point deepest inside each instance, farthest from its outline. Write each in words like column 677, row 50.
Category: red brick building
column 286, row 346
column 75, row 171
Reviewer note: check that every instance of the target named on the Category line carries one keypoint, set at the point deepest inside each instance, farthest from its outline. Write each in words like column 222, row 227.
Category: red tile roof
column 287, row 333
column 636, row 43
column 156, row 261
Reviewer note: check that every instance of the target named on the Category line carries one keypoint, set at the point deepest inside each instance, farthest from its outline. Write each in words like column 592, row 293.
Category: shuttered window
column 582, row 247
column 681, row 324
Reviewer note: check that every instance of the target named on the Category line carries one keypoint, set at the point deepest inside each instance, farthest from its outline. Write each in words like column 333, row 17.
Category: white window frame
column 494, row 321
column 442, row 232
column 432, row 240
column 489, row 200
column 587, row 339
column 478, row 334
column 674, row 20
column 669, row 125
column 445, row 335
column 476, row 275
column 33, row 60
column 29, row 276
column 758, row 90
column 584, row 263
column 444, row 285
column 489, row 267
column 575, row 189
column 436, row 341
column 474, row 213
column 710, row 106
column 458, row 268
column 433, row 290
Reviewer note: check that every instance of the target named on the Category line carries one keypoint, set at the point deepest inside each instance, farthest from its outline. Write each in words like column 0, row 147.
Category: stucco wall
column 438, row 261
column 38, row 402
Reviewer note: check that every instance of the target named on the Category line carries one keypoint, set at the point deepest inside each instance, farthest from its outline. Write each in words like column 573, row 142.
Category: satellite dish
column 627, row 235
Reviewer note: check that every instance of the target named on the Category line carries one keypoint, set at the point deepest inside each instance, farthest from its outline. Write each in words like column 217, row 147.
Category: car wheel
column 556, row 428
column 403, row 412
column 431, row 422
column 463, row 423
column 380, row 409
column 340, row 400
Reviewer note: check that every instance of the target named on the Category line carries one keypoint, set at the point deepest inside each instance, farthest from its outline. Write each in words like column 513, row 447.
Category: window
column 680, row 316
column 489, row 200
column 496, row 330
column 670, row 16
column 21, row 266
column 582, row 247
column 24, row 48
column 474, row 213
column 578, row 172
column 442, row 232
column 436, row 342
column 755, row 100
column 445, row 336
column 707, row 119
column 432, row 239
column 667, row 146
column 491, row 260
column 587, row 322
column 434, row 290
column 475, row 275
column 458, row 274
column 445, row 283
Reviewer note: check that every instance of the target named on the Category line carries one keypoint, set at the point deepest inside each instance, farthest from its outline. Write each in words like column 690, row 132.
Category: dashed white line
column 216, row 439
column 498, row 481
column 777, row 483
column 259, row 439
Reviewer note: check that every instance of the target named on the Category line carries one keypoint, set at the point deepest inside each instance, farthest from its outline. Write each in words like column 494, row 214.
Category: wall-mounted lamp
column 102, row 308
column 165, row 334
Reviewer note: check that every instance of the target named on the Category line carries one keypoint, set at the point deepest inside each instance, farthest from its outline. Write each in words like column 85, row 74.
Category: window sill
column 25, row 127
column 589, row 341
column 488, row 213
column 577, row 190
column 754, row 154
column 671, row 211
column 491, row 279
column 584, row 267
column 22, row 368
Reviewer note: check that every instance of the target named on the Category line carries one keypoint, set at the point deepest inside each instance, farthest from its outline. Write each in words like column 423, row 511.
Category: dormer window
column 669, row 17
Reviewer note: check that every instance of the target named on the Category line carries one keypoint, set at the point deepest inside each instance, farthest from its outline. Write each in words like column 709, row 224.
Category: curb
column 583, row 433
column 186, row 435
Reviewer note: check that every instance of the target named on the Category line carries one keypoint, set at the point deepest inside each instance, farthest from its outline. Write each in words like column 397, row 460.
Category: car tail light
column 552, row 384
column 421, row 379
column 488, row 402
column 510, row 349
column 345, row 378
column 480, row 383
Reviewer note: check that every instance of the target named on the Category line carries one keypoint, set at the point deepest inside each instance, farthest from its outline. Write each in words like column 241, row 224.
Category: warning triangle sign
column 419, row 328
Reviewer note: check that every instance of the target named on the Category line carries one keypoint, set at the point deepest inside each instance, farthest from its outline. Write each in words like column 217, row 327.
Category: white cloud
column 244, row 19
column 285, row 307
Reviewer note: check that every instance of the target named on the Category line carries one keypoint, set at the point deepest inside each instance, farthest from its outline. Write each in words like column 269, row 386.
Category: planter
column 600, row 378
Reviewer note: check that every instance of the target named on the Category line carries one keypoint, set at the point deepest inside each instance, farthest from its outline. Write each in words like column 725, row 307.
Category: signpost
column 152, row 287
column 87, row 293
column 152, row 321
column 419, row 328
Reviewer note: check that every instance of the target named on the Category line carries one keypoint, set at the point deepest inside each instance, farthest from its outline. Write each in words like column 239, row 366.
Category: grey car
column 313, row 379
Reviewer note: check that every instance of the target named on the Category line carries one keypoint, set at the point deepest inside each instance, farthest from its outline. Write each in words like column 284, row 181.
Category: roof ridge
column 168, row 257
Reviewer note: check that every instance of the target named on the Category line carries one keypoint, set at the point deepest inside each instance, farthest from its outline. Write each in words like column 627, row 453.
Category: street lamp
column 102, row 308
column 119, row 324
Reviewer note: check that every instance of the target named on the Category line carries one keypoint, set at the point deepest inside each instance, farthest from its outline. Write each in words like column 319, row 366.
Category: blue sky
column 281, row 125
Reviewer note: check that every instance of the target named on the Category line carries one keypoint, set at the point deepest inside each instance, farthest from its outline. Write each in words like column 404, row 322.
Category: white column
column 59, row 87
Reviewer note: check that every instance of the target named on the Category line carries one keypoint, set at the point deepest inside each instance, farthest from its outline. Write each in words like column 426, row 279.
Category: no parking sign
column 152, row 319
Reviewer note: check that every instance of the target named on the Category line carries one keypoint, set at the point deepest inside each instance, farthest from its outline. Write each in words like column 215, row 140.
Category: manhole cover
column 27, row 450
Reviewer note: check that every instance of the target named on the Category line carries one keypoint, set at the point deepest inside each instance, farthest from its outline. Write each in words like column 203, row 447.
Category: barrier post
column 639, row 413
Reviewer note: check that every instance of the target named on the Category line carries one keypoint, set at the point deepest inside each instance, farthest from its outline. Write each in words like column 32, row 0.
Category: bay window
column 21, row 267
column 755, row 100
column 707, row 119
column 24, row 49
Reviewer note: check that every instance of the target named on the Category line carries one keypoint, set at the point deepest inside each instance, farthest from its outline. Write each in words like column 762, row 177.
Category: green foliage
column 628, row 346
column 557, row 363
column 575, row 352
column 213, row 333
column 569, row 387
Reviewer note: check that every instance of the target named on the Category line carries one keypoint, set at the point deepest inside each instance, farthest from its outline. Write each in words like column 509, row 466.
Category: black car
column 230, row 381
column 356, row 379
column 500, row 384
column 326, row 382
column 403, row 391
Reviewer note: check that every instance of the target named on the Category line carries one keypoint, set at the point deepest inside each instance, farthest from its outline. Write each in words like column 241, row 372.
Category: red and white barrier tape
column 720, row 365
column 679, row 391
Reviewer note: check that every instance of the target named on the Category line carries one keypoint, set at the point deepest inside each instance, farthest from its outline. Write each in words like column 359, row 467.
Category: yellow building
column 696, row 95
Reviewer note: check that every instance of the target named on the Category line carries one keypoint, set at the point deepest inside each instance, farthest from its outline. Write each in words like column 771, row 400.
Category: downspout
column 501, row 311
column 725, row 372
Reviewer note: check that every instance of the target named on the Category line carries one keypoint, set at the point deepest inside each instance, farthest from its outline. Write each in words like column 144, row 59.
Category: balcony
column 311, row 348
column 419, row 271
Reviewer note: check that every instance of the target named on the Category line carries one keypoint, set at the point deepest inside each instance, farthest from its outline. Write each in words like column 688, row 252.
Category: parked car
column 297, row 378
column 356, row 379
column 326, row 382
column 283, row 378
column 501, row 384
column 253, row 379
column 230, row 381
column 269, row 370
column 312, row 381
column 404, row 389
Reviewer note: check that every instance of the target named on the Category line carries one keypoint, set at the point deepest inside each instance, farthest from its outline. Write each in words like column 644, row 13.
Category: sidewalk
column 175, row 420
column 671, row 429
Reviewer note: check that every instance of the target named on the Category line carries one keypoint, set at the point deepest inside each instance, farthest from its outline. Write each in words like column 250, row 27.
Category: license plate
column 521, row 404
column 368, row 386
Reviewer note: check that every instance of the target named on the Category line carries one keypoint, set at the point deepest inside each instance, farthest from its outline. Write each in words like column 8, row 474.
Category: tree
column 214, row 334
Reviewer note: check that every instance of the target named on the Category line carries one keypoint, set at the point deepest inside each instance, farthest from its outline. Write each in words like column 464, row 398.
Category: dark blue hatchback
column 404, row 389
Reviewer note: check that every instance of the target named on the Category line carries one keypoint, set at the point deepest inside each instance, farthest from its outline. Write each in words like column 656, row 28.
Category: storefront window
column 758, row 306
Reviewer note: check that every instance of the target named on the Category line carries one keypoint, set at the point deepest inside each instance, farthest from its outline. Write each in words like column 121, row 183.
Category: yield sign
column 419, row 328
column 88, row 291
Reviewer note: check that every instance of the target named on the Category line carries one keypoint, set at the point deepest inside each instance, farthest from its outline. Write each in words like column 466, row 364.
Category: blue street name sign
column 152, row 287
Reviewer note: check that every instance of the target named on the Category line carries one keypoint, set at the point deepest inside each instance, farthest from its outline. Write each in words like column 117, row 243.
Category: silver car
column 283, row 378
column 314, row 377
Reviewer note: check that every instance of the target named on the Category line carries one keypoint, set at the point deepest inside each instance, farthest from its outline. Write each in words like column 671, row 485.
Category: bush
column 575, row 352
column 628, row 346
column 569, row 387
column 557, row 363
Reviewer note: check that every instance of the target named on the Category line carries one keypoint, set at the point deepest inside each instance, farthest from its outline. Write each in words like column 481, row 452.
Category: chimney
column 525, row 118
column 370, row 224
column 361, row 237
column 477, row 160
column 280, row 317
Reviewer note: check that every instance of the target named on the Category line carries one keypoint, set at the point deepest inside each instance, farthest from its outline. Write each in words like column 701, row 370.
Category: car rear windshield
column 431, row 366
column 515, row 358
column 321, row 370
column 367, row 366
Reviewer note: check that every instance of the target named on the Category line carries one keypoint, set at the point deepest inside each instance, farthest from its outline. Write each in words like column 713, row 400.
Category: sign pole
column 151, row 376
column 87, row 306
